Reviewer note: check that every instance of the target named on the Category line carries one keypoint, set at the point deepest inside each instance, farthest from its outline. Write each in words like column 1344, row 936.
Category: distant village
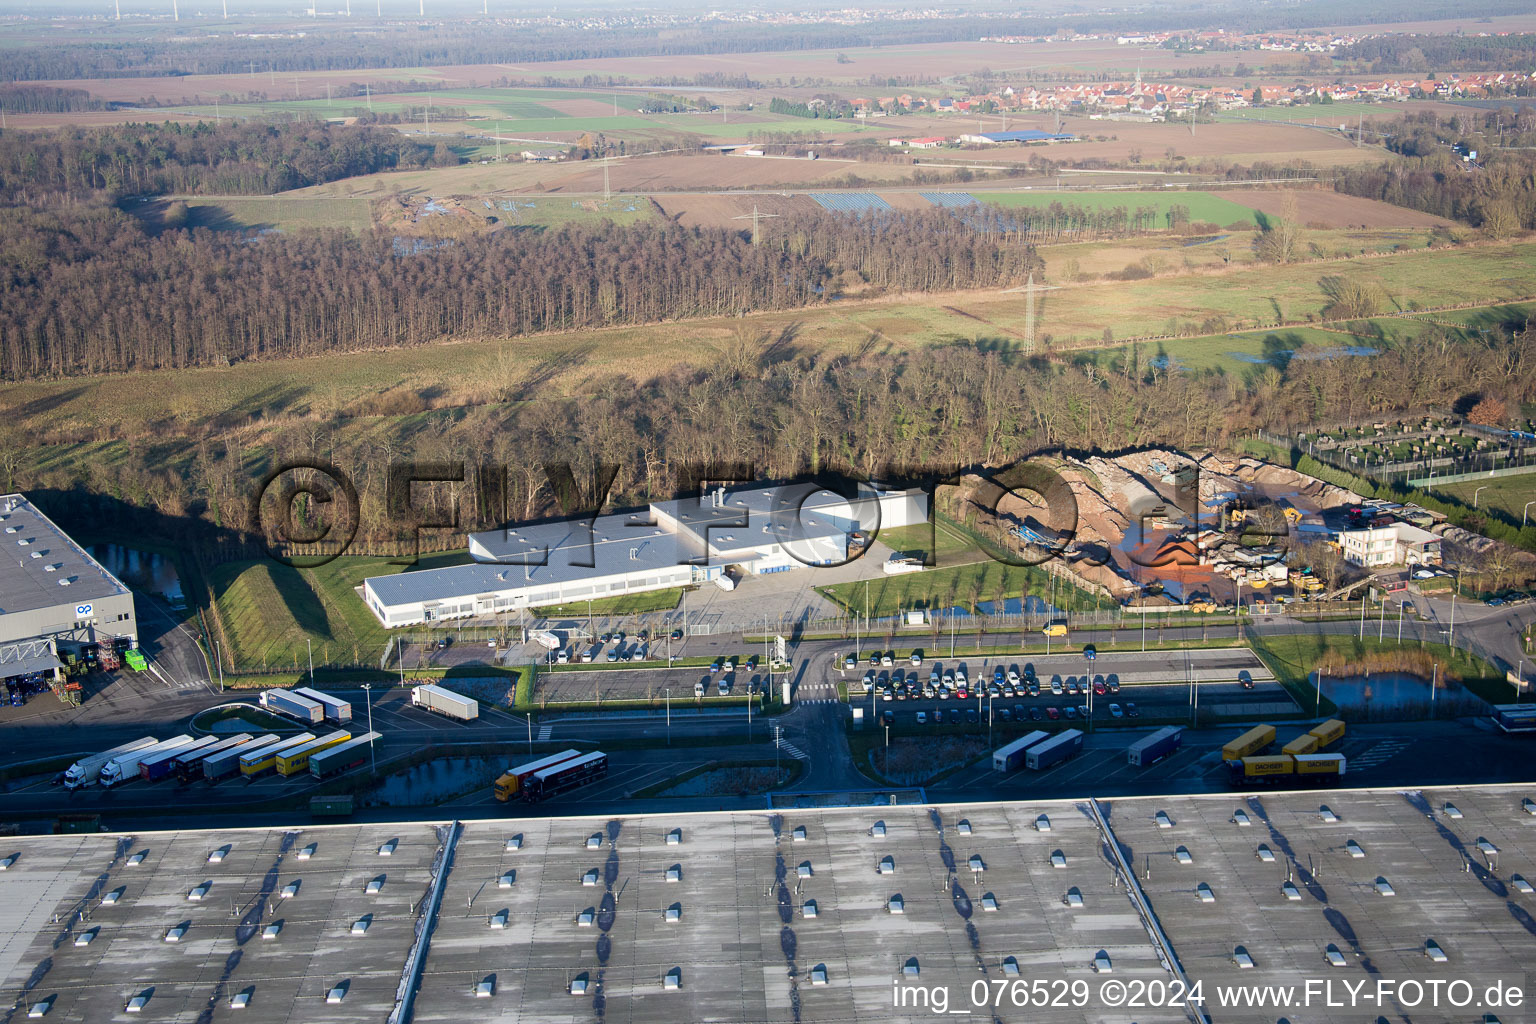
column 1137, row 100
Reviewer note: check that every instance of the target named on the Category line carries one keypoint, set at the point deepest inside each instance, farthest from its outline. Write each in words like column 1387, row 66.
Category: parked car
column 922, row 718
column 972, row 717
column 1115, row 711
column 1069, row 712
column 1056, row 686
column 1131, row 710
column 1053, row 712
column 1035, row 714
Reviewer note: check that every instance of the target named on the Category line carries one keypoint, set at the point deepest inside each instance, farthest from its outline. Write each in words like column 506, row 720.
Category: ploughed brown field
column 1337, row 210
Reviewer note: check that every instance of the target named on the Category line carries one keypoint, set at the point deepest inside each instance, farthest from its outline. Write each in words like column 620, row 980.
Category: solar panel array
column 950, row 200
column 851, row 202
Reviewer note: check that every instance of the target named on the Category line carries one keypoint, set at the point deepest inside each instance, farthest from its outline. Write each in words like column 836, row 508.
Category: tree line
column 87, row 288
column 1497, row 193
column 757, row 401
column 233, row 158
column 46, row 99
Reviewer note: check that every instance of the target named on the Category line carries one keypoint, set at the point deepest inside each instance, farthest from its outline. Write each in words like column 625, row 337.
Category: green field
column 955, row 586
column 1326, row 115
column 283, row 214
column 625, row 604
column 1507, row 494
column 1203, row 206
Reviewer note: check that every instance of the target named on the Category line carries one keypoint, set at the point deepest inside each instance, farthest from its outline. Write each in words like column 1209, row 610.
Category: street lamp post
column 1525, row 512
column 1317, row 705
column 1476, row 492
column 668, row 692
column 310, row 648
column 218, row 657
column 373, row 764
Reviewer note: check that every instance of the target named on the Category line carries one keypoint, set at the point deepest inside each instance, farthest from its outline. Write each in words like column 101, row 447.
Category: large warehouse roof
column 40, row 567
column 805, row 914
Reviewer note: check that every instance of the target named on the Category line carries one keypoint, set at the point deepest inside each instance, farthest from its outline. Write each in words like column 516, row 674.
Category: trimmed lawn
column 624, row 604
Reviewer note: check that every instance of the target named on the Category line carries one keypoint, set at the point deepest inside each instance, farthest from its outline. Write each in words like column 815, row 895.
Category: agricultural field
column 277, row 213
column 1335, row 209
column 1507, row 494
column 1203, row 206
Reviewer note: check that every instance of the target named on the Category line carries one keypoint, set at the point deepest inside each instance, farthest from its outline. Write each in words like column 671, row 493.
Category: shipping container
column 1329, row 733
column 584, row 769
column 310, row 712
column 336, row 710
column 259, row 762
column 1010, row 757
column 1303, row 744
column 1249, row 743
column 1151, row 749
column 189, row 765
column 227, row 762
column 445, row 702
column 1054, row 750
column 343, row 757
column 512, row 782
column 296, row 759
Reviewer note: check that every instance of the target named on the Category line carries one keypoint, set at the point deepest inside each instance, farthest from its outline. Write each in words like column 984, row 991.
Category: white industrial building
column 668, row 544
column 1397, row 544
column 53, row 594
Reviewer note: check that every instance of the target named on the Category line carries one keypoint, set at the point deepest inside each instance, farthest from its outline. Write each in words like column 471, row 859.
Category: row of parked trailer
column 546, row 776
column 213, row 758
column 1040, row 750
column 1300, row 762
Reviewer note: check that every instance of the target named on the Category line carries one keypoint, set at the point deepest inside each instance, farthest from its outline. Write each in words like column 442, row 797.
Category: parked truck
column 188, row 764
column 258, row 762
column 1329, row 733
column 87, row 770
column 293, row 760
column 284, row 702
column 343, row 757
column 445, row 702
column 511, row 782
column 1010, row 756
column 336, row 710
column 126, row 766
column 577, row 772
column 1054, row 750
column 227, row 762
column 544, row 638
column 1151, row 749
column 1249, row 743
column 1287, row 770
column 158, row 766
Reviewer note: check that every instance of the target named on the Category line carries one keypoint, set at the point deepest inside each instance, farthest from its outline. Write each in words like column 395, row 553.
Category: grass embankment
column 1294, row 657
column 274, row 616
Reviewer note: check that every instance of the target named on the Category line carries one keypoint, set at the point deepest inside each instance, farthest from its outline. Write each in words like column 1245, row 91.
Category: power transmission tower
column 757, row 235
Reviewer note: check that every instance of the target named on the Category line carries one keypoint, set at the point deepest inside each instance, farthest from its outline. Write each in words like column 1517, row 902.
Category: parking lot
column 1067, row 688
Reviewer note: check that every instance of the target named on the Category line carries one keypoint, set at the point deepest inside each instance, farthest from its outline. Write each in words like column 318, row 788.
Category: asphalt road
column 160, row 703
